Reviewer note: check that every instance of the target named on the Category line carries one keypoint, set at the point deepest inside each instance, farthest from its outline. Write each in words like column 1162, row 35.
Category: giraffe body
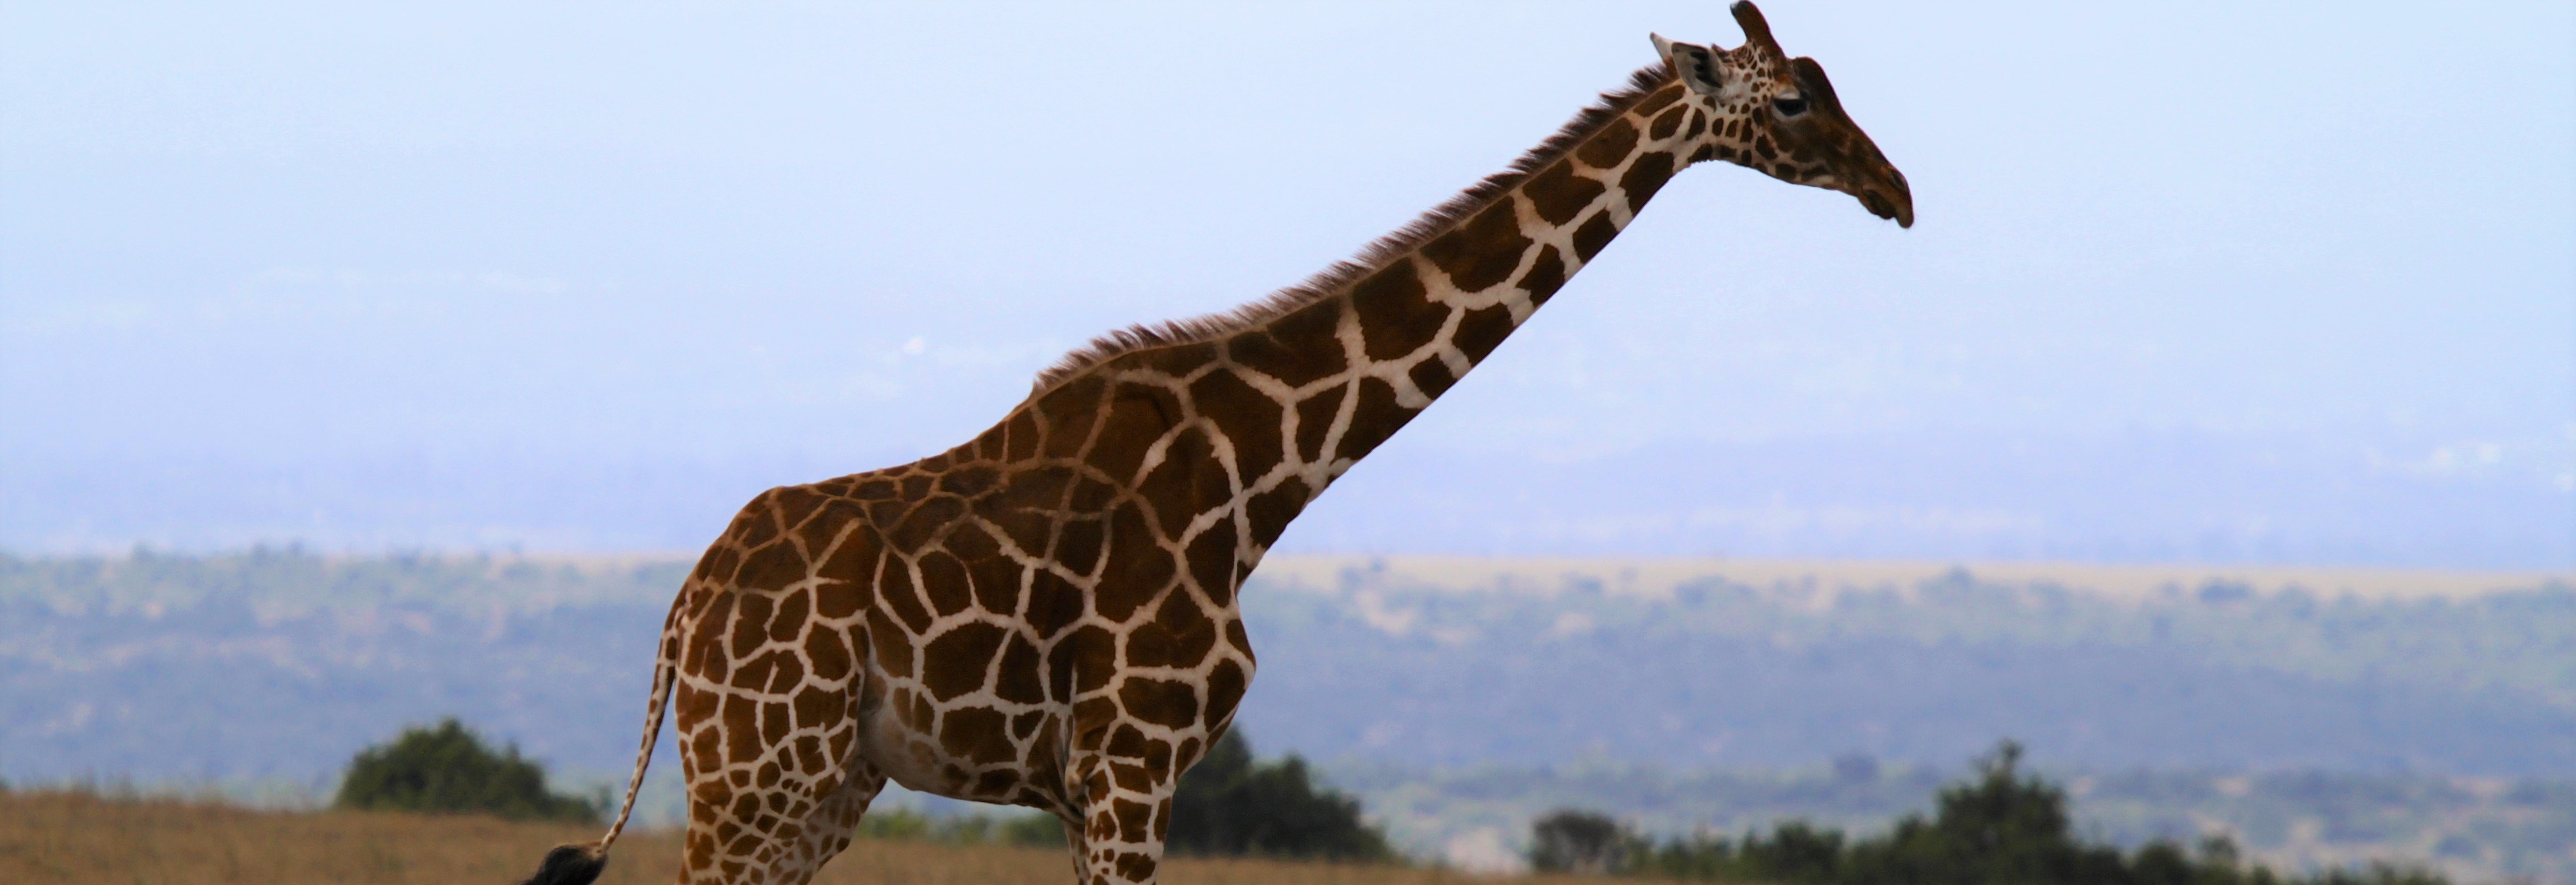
column 1046, row 616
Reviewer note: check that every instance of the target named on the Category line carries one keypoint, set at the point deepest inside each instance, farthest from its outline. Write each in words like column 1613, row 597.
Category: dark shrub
column 1228, row 804
column 448, row 769
column 1571, row 841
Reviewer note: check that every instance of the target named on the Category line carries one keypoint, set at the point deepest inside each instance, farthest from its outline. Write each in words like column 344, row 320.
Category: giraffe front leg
column 828, row 830
column 1126, row 789
column 1121, row 843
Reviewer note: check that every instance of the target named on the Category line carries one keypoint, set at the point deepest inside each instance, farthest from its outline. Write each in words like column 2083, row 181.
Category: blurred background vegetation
column 2316, row 730
column 2001, row 824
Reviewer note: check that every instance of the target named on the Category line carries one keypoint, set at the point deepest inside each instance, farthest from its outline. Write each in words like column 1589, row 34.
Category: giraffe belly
column 907, row 757
column 961, row 749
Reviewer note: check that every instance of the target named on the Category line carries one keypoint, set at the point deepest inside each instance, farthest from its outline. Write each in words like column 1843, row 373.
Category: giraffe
column 1046, row 616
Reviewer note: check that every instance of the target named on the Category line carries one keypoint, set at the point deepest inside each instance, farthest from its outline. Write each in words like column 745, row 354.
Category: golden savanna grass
column 48, row 837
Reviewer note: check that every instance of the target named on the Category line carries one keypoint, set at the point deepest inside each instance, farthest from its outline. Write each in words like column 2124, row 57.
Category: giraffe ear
column 1697, row 65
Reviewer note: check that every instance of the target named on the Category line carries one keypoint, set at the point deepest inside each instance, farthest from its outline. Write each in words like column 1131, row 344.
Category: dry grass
column 77, row 838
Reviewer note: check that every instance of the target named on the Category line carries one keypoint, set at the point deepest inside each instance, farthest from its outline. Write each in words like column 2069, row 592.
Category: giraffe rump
column 1341, row 275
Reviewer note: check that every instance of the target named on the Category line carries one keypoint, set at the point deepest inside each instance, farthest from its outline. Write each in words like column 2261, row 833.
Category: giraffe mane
column 1341, row 275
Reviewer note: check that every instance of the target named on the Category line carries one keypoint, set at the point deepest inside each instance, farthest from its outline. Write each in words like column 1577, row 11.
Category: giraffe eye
column 1789, row 106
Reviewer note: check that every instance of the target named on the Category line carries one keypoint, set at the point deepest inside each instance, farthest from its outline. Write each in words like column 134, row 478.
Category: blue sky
column 2285, row 282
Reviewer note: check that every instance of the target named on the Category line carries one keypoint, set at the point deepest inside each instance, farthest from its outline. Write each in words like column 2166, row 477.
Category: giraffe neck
column 1414, row 320
column 1232, row 425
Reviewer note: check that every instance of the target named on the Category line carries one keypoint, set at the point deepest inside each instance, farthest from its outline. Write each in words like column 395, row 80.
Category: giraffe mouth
column 1878, row 204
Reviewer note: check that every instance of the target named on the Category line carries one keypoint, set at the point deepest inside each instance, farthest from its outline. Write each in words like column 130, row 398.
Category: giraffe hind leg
column 766, row 820
column 769, row 799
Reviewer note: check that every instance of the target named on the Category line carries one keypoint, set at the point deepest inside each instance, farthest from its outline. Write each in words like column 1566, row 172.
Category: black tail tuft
column 570, row 865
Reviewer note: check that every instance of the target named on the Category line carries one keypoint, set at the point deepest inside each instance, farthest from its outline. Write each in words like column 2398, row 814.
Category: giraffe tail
column 571, row 865
column 581, row 863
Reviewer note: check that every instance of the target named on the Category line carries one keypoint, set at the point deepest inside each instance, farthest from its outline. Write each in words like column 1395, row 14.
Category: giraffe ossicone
column 1045, row 616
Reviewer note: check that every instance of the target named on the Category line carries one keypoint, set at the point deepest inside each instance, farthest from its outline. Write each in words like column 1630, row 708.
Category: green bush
column 447, row 769
column 1572, row 841
column 1229, row 805
column 2002, row 825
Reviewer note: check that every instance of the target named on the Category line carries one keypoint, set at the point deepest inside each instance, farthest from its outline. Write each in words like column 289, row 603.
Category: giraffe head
column 1779, row 115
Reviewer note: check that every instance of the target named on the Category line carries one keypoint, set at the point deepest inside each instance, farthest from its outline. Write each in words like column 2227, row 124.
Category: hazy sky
column 367, row 275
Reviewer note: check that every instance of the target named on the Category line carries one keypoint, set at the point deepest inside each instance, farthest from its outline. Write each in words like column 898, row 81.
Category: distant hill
column 1449, row 661
column 281, row 662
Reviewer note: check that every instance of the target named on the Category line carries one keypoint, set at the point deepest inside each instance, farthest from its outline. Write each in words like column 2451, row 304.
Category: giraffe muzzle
column 1900, row 209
